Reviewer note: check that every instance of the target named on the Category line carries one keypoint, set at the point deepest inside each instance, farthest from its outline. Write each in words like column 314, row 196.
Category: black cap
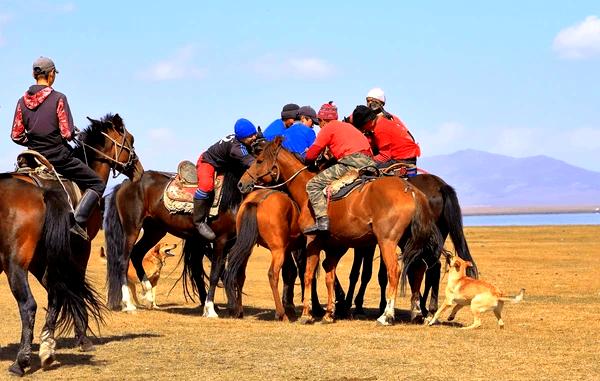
column 290, row 111
column 361, row 115
column 309, row 112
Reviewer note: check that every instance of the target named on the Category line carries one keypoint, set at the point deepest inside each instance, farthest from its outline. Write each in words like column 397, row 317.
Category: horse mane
column 92, row 135
column 231, row 197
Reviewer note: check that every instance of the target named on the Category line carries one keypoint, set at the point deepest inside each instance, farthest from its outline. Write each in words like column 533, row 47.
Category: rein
column 283, row 183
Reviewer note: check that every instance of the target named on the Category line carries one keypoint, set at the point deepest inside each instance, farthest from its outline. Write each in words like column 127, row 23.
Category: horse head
column 108, row 141
column 265, row 169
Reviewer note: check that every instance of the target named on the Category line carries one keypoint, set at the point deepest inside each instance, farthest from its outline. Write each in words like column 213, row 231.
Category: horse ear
column 93, row 121
column 117, row 121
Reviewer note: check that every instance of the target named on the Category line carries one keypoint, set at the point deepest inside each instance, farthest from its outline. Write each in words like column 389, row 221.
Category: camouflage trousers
column 315, row 186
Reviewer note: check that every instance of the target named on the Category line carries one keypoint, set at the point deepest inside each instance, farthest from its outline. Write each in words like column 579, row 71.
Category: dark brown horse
column 380, row 212
column 57, row 260
column 446, row 209
column 137, row 205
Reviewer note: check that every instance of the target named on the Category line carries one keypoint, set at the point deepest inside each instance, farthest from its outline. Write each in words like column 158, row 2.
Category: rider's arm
column 322, row 140
column 18, row 133
column 65, row 119
column 240, row 153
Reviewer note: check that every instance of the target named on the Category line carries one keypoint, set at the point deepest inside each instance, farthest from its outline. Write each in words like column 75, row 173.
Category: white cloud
column 272, row 66
column 579, row 41
column 179, row 66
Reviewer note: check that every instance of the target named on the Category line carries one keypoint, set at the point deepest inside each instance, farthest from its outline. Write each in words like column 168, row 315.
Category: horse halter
column 274, row 171
column 122, row 146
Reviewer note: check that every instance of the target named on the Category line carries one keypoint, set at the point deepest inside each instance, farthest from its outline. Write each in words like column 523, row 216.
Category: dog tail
column 515, row 299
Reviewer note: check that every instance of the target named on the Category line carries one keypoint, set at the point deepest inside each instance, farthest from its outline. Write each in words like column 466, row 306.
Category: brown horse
column 35, row 238
column 270, row 218
column 47, row 250
column 137, row 205
column 380, row 212
column 446, row 209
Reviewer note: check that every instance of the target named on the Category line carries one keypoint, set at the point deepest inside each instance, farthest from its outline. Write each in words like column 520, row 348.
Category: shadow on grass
column 64, row 360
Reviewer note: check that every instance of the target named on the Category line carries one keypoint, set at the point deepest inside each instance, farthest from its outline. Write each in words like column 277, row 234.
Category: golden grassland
column 553, row 334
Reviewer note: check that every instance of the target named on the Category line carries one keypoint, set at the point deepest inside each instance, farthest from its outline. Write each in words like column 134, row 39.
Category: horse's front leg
column 329, row 265
column 432, row 284
column 415, row 273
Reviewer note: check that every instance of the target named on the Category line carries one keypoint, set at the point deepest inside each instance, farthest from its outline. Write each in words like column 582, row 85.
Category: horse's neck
column 101, row 169
column 290, row 166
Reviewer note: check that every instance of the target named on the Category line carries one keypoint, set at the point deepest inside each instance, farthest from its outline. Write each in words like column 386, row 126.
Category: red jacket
column 342, row 138
column 393, row 141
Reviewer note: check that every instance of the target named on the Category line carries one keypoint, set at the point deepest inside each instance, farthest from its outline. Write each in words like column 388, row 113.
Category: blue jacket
column 298, row 137
column 274, row 129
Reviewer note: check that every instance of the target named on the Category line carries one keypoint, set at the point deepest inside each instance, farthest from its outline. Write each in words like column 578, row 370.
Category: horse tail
column 193, row 272
column 241, row 251
column 452, row 216
column 117, row 260
column 75, row 299
column 425, row 240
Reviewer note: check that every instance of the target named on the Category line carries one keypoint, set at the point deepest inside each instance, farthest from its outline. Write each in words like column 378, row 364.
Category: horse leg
column 329, row 265
column 312, row 261
column 150, row 238
column 289, row 273
column 432, row 283
column 47, row 341
column 390, row 258
column 19, row 286
column 341, row 312
column 216, row 269
column 415, row 274
column 353, row 277
column 382, row 278
column 277, row 259
column 127, row 304
column 365, row 278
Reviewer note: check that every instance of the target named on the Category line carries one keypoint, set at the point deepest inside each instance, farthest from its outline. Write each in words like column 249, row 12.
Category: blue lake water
column 533, row 219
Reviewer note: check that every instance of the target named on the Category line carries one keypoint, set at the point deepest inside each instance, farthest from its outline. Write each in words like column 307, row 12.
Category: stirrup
column 81, row 232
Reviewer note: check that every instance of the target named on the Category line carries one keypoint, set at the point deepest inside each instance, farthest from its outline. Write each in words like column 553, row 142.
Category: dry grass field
column 553, row 334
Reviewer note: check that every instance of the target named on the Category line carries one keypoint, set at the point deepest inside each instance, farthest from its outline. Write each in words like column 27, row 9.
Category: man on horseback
column 348, row 146
column 390, row 140
column 231, row 152
column 43, row 123
column 289, row 114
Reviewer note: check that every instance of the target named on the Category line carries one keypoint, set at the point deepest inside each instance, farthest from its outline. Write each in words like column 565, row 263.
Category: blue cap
column 244, row 128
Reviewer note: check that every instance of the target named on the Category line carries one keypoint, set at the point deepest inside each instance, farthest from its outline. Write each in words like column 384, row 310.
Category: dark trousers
column 75, row 170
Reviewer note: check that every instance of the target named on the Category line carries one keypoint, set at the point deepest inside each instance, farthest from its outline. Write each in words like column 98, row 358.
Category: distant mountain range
column 486, row 180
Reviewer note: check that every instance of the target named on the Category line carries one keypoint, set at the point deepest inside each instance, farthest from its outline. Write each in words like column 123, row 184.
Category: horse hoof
column 16, row 370
column 417, row 319
column 87, row 347
column 306, row 319
column 328, row 320
column 318, row 312
column 46, row 352
column 385, row 320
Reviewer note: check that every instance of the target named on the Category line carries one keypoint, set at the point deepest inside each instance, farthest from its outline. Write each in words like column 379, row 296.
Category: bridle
column 119, row 147
column 275, row 173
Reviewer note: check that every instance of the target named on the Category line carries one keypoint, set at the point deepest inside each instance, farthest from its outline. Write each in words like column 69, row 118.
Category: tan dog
column 152, row 263
column 481, row 296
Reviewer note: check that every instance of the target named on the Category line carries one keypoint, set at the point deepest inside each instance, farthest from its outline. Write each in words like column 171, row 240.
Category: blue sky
column 513, row 77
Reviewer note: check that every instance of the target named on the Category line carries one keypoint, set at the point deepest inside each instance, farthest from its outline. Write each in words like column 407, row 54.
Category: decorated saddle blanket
column 352, row 180
column 178, row 196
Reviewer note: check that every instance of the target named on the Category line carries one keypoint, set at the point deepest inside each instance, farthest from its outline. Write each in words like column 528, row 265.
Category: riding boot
column 321, row 224
column 84, row 209
column 201, row 208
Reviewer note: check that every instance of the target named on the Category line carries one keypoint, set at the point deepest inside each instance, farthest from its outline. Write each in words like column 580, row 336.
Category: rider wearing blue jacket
column 298, row 137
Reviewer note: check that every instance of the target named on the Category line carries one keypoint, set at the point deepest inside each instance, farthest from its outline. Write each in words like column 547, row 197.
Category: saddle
column 403, row 170
column 178, row 196
column 34, row 165
column 352, row 180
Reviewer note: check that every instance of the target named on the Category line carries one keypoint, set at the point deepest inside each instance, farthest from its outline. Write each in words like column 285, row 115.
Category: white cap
column 376, row 93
